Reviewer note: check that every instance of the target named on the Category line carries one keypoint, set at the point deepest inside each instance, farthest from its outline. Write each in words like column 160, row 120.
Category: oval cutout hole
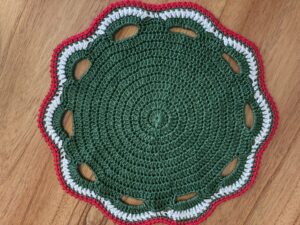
column 232, row 63
column 126, row 32
column 248, row 116
column 132, row 201
column 86, row 172
column 184, row 31
column 81, row 67
column 185, row 197
column 229, row 168
column 67, row 123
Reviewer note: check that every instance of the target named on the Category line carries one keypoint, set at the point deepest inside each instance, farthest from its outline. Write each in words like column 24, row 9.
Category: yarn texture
column 157, row 115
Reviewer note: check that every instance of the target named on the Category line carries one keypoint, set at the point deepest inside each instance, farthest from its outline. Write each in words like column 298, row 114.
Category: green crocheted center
column 158, row 115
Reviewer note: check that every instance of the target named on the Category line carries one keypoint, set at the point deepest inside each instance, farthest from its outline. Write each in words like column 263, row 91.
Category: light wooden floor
column 30, row 29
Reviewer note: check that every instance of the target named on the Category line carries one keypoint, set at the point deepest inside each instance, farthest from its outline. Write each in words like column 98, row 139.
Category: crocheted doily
column 157, row 115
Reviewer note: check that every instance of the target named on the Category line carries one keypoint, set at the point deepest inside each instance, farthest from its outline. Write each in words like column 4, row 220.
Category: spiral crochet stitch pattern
column 157, row 115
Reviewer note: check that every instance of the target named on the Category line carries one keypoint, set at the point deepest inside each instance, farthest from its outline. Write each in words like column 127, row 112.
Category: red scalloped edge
column 154, row 7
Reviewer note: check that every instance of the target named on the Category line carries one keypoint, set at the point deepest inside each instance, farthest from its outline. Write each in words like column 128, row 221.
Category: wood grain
column 30, row 29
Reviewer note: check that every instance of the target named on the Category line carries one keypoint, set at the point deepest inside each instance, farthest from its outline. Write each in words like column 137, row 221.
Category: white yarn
column 208, row 27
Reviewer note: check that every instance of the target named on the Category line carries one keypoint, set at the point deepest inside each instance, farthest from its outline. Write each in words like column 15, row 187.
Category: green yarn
column 158, row 115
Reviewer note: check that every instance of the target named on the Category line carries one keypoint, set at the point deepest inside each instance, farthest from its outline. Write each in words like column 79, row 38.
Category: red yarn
column 154, row 7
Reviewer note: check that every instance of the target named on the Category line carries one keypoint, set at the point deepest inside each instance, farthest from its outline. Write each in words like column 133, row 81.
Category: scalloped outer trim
column 152, row 7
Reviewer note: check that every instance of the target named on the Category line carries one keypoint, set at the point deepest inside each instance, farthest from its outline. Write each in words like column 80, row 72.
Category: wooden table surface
column 29, row 190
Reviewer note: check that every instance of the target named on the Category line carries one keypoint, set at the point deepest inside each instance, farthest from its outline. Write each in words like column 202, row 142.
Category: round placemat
column 159, row 117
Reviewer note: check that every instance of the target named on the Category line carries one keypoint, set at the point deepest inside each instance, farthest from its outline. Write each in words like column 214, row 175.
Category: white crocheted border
column 209, row 27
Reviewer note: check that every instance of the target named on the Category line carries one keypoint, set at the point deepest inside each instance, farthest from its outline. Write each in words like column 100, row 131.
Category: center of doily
column 158, row 114
column 158, row 119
